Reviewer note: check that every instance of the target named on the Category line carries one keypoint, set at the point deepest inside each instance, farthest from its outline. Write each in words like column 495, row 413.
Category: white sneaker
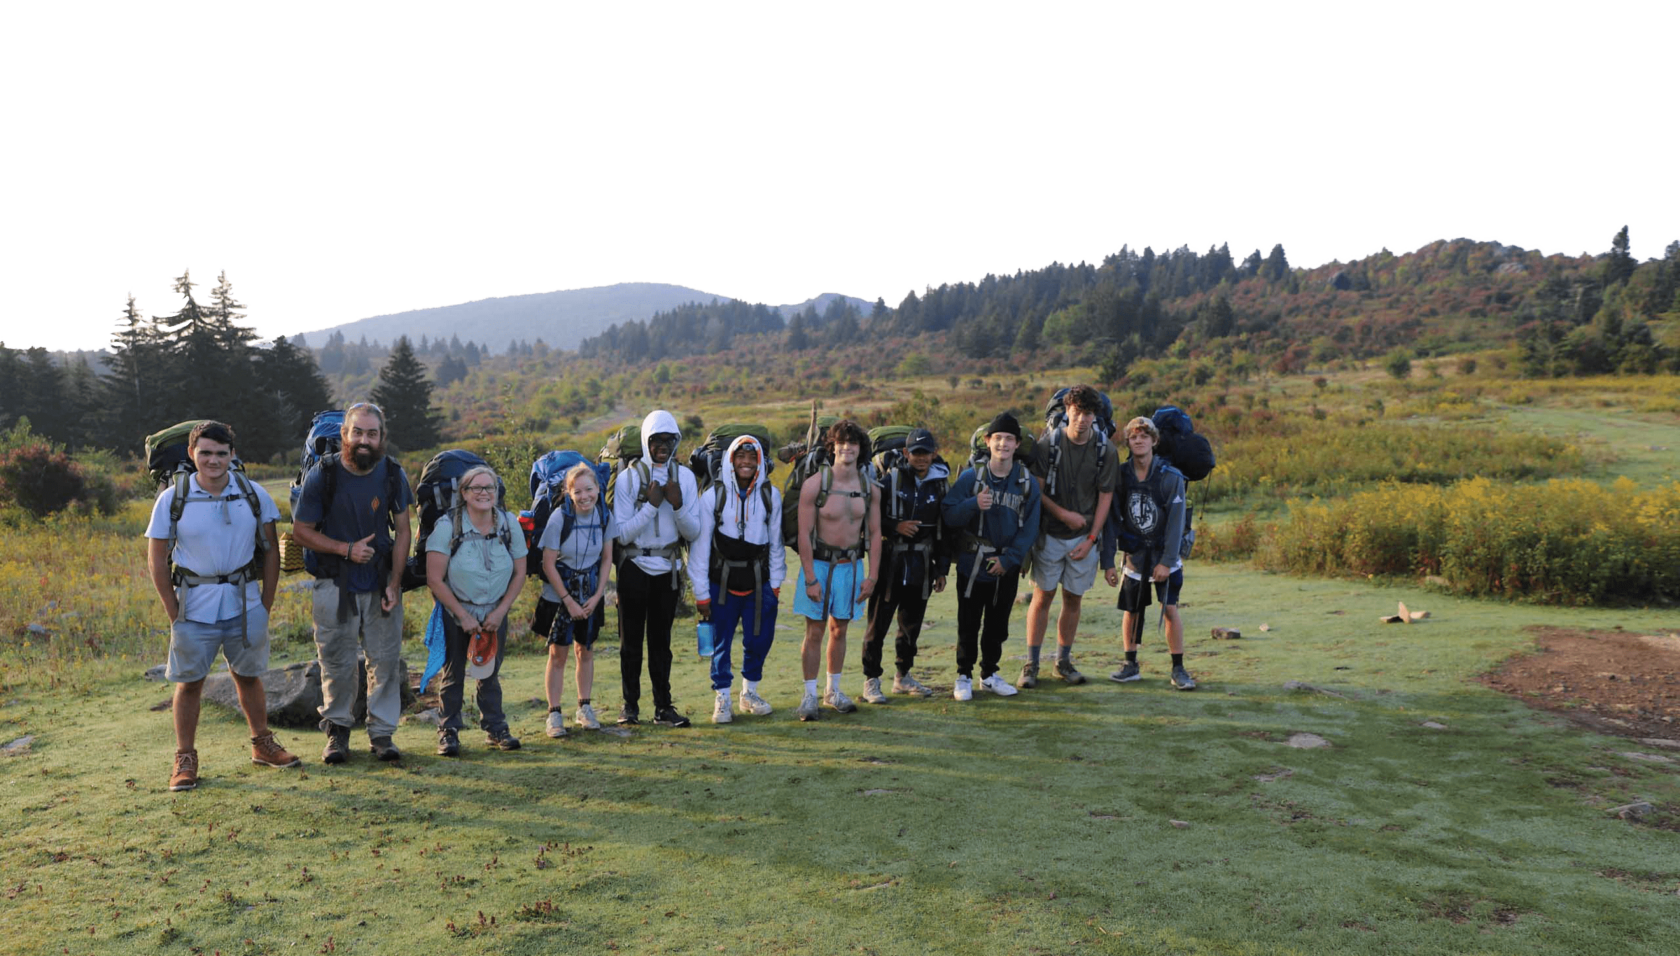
column 808, row 707
column 556, row 724
column 964, row 690
column 586, row 718
column 997, row 685
column 905, row 684
column 720, row 708
column 753, row 704
column 837, row 699
column 872, row 691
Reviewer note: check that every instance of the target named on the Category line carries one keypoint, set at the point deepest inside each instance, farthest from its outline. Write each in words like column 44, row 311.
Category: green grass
column 1036, row 824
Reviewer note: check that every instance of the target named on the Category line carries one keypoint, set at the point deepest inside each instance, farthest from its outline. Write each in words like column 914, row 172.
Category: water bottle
column 703, row 638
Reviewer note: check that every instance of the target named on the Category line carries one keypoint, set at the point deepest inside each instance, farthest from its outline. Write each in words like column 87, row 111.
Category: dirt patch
column 1627, row 685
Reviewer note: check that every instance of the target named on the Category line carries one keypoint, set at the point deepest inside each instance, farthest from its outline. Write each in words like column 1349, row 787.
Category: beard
column 366, row 455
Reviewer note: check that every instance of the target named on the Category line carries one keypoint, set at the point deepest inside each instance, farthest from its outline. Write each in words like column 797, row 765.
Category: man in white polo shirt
column 215, row 562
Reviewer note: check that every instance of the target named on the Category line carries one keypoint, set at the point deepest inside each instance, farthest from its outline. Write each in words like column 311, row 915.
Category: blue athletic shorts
column 843, row 604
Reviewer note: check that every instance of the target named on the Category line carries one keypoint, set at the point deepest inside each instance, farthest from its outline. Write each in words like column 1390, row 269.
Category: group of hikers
column 874, row 541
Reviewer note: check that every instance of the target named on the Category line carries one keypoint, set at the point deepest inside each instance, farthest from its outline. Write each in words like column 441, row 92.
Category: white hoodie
column 651, row 528
column 750, row 527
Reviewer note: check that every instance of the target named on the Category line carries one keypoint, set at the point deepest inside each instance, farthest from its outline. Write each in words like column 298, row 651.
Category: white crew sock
column 811, row 687
column 834, row 682
column 749, row 686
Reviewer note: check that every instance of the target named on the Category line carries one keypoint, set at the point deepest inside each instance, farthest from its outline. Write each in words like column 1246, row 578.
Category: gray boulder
column 294, row 692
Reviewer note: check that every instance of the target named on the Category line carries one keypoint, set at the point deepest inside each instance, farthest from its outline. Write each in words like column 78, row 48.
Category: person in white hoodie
column 653, row 522
column 737, row 565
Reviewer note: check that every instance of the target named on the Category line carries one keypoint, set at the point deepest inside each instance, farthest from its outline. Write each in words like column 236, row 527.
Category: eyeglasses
column 480, row 489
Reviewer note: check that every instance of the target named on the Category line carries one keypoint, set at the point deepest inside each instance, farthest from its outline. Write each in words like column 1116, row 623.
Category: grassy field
column 1104, row 818
column 1039, row 824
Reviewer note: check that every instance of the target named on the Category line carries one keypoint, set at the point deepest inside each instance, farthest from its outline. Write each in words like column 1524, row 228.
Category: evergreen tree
column 1276, row 266
column 1620, row 265
column 406, row 397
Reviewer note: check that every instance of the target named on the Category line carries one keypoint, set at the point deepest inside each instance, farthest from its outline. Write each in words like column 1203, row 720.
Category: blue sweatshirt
column 1151, row 511
column 1010, row 526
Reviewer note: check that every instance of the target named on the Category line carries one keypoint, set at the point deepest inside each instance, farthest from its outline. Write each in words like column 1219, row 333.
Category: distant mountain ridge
column 562, row 319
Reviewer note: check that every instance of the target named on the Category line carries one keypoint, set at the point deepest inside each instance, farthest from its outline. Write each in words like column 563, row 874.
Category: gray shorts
column 1051, row 566
column 193, row 647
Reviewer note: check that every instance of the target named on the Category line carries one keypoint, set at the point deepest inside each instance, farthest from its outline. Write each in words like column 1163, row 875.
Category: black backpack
column 1189, row 452
column 815, row 461
column 438, row 494
column 1055, row 413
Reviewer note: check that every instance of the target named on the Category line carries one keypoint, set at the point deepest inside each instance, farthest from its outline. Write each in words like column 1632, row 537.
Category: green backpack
column 624, row 450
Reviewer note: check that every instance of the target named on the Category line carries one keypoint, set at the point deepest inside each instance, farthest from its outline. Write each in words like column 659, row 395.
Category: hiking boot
column 629, row 715
column 997, row 685
column 964, row 689
column 337, row 749
column 1182, row 680
column 449, row 743
column 184, row 776
column 1068, row 673
column 668, row 717
column 753, row 704
column 872, row 691
column 808, row 707
column 501, row 739
column 265, row 750
column 1127, row 673
column 586, row 719
column 556, row 727
column 384, row 748
column 1029, row 677
column 905, row 684
column 837, row 699
column 720, row 708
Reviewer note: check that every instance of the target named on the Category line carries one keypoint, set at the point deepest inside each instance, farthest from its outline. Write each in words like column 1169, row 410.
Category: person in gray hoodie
column 737, row 565
column 992, row 514
column 1149, row 526
column 653, row 522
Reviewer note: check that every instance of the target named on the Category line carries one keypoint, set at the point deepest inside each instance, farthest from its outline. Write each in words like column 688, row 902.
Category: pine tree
column 406, row 397
column 1276, row 266
column 1620, row 264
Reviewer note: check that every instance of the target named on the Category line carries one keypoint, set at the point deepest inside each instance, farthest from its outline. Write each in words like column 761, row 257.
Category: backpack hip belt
column 671, row 552
column 834, row 555
column 185, row 578
column 721, row 580
column 897, row 549
column 981, row 552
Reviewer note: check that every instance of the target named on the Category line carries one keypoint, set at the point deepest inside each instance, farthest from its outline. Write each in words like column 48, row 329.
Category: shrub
column 1568, row 541
column 39, row 478
column 1398, row 364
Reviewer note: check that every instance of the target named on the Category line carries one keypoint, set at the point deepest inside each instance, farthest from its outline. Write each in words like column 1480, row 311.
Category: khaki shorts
column 1052, row 568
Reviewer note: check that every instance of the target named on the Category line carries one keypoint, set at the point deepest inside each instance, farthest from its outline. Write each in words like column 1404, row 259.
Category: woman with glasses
column 475, row 573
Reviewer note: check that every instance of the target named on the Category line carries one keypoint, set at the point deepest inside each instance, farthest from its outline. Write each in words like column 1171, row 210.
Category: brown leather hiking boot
column 185, row 774
column 266, row 751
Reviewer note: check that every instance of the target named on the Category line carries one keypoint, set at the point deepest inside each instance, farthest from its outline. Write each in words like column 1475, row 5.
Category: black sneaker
column 629, row 714
column 338, row 745
column 1127, row 673
column 502, row 740
column 384, row 748
column 1182, row 680
column 449, row 743
column 1029, row 677
column 668, row 717
column 1068, row 673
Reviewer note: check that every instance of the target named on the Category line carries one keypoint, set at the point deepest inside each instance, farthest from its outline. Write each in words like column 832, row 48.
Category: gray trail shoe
column 585, row 717
column 808, row 708
column 1029, row 677
column 905, row 684
column 1127, row 673
column 1182, row 680
column 872, row 691
column 839, row 701
column 1069, row 673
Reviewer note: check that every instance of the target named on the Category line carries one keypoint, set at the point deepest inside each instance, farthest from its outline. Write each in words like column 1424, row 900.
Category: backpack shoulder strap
column 765, row 491
column 177, row 505
column 249, row 492
column 825, row 481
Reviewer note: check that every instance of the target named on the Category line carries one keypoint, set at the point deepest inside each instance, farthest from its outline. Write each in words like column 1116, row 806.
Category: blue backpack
column 322, row 440
column 548, row 491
